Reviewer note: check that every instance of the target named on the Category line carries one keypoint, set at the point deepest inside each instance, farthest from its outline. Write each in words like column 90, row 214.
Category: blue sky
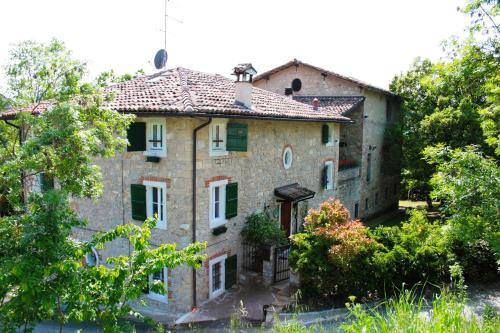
column 368, row 40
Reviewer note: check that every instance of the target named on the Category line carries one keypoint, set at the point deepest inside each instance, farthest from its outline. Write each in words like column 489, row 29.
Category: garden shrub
column 476, row 258
column 260, row 229
column 333, row 252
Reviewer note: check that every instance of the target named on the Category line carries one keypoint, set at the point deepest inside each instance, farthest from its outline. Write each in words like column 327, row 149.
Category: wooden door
column 286, row 216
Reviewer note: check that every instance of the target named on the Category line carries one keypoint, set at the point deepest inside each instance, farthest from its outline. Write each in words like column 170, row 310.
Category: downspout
column 195, row 131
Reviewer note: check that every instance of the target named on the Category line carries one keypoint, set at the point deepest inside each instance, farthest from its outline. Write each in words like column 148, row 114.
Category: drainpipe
column 195, row 131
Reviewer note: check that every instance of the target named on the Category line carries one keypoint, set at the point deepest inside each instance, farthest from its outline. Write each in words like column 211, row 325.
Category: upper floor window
column 287, row 157
column 327, row 134
column 223, row 202
column 328, row 175
column 150, row 200
column 149, row 136
column 388, row 111
column 218, row 137
column 218, row 203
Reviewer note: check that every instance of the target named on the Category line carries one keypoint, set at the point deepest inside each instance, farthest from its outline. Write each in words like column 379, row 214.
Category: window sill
column 217, row 223
column 155, row 153
column 158, row 298
column 218, row 153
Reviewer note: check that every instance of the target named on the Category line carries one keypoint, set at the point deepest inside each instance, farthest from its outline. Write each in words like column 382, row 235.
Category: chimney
column 316, row 104
column 243, row 85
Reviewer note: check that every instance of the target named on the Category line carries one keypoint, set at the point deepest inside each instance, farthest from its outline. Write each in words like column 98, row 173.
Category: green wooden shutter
column 231, row 200
column 138, row 201
column 231, row 267
column 136, row 135
column 46, row 182
column 325, row 133
column 237, row 135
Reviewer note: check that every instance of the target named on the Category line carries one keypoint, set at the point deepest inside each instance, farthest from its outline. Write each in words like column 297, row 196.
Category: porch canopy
column 294, row 193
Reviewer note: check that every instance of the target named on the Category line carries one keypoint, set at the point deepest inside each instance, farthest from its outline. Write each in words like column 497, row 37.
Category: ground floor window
column 356, row 210
column 217, row 272
column 153, row 293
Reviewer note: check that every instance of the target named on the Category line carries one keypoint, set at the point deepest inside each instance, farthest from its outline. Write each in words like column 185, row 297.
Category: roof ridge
column 185, row 95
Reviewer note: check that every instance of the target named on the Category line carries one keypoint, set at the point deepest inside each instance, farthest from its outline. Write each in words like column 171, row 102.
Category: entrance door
column 286, row 216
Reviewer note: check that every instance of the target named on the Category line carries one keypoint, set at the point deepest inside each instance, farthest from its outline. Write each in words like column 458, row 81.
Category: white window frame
column 150, row 150
column 159, row 297
column 161, row 224
column 221, row 220
column 222, row 260
column 285, row 151
column 331, row 129
column 222, row 124
column 329, row 175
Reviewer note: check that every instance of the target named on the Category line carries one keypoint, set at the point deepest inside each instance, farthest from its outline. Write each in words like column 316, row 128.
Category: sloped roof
column 335, row 104
column 296, row 62
column 185, row 92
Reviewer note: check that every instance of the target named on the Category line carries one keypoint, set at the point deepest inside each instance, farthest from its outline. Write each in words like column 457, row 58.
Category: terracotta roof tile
column 182, row 91
column 341, row 105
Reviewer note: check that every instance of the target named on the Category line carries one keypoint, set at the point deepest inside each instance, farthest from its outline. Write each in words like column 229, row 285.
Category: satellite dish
column 161, row 59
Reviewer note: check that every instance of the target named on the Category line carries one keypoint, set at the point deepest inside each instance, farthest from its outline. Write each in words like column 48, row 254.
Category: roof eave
column 170, row 113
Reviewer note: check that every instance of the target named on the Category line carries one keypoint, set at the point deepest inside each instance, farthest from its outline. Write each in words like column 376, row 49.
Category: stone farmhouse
column 206, row 151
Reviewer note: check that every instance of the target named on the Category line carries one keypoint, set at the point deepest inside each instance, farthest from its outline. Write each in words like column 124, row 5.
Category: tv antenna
column 162, row 55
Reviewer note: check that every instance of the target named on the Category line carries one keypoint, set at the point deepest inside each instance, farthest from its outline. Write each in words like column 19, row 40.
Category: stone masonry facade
column 258, row 171
column 365, row 136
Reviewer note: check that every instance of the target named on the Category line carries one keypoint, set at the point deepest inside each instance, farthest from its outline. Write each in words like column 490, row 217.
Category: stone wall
column 258, row 172
column 366, row 135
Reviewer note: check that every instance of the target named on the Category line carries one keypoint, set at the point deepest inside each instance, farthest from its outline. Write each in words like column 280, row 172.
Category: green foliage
column 336, row 257
column 413, row 252
column 43, row 276
column 468, row 184
column 412, row 313
column 41, row 271
column 107, row 78
column 260, row 229
column 454, row 101
column 39, row 72
column 332, row 254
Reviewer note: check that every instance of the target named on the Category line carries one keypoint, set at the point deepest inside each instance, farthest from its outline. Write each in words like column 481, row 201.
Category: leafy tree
column 454, row 101
column 109, row 77
column 41, row 271
column 467, row 183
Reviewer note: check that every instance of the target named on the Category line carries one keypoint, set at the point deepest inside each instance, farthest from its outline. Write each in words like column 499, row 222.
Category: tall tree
column 63, row 130
column 454, row 102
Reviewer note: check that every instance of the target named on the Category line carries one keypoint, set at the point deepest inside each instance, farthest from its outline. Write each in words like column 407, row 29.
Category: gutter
column 195, row 132
column 145, row 113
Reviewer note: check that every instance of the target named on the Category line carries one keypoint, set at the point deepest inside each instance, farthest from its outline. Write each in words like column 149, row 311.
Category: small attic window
column 296, row 84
